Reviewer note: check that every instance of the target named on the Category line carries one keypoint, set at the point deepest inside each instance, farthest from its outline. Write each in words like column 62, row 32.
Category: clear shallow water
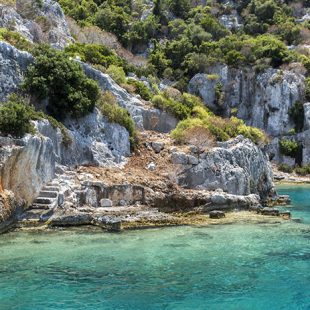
column 221, row 267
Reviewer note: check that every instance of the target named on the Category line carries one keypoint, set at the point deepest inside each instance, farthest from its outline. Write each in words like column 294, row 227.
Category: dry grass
column 199, row 137
column 8, row 2
column 94, row 35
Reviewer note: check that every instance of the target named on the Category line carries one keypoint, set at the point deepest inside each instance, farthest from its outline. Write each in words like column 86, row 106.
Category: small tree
column 15, row 116
column 55, row 77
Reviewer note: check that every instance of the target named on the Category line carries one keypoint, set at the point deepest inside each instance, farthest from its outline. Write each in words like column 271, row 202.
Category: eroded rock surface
column 38, row 23
column 262, row 100
column 237, row 166
column 13, row 63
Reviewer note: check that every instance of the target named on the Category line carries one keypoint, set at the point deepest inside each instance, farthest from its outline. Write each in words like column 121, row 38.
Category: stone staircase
column 43, row 206
column 48, row 197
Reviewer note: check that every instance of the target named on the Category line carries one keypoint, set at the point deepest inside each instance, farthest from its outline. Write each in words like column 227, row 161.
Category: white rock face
column 238, row 167
column 94, row 141
column 26, row 164
column 307, row 115
column 13, row 63
column 37, row 23
column 262, row 100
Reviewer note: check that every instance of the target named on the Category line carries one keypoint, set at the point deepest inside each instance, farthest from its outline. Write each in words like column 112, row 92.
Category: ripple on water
column 217, row 267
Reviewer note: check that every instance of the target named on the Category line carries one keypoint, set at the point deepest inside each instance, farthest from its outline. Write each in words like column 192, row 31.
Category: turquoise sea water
column 220, row 267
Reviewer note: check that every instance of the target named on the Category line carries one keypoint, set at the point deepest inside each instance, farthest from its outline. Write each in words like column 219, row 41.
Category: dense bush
column 181, row 106
column 141, row 89
column 95, row 54
column 15, row 39
column 217, row 128
column 285, row 168
column 15, row 117
column 55, row 77
column 289, row 147
column 16, row 114
column 304, row 170
column 307, row 89
column 117, row 74
column 116, row 114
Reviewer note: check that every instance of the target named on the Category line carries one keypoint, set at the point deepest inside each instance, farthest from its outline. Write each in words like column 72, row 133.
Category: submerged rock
column 216, row 214
column 269, row 211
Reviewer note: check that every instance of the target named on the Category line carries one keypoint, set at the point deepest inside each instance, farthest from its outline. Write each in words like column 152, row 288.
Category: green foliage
column 289, row 147
column 307, row 89
column 141, row 89
column 55, row 77
column 181, row 107
column 15, row 117
column 285, row 168
column 80, row 10
column 16, row 114
column 15, row 39
column 95, row 54
column 117, row 74
column 116, row 114
column 297, row 114
column 217, row 128
column 304, row 170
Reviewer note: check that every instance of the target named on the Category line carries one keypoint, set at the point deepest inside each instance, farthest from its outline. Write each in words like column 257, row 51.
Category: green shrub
column 55, row 77
column 285, row 168
column 95, row 54
column 141, row 89
column 216, row 128
column 116, row 114
column 15, row 117
column 297, row 114
column 15, row 39
column 178, row 109
column 304, row 170
column 307, row 89
column 179, row 132
column 117, row 74
column 289, row 147
column 16, row 114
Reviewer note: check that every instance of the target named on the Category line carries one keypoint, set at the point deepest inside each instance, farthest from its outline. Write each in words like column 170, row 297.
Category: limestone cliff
column 262, row 100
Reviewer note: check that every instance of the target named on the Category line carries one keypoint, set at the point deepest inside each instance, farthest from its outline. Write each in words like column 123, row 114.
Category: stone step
column 44, row 200
column 51, row 188
column 48, row 194
column 41, row 206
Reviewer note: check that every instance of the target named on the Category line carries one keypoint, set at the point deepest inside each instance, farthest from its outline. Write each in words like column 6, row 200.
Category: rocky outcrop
column 262, row 100
column 37, row 22
column 13, row 63
column 144, row 115
column 26, row 164
column 238, row 167
column 93, row 141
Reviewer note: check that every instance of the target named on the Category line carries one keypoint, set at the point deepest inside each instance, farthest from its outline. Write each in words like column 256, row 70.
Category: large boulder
column 238, row 167
column 262, row 100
